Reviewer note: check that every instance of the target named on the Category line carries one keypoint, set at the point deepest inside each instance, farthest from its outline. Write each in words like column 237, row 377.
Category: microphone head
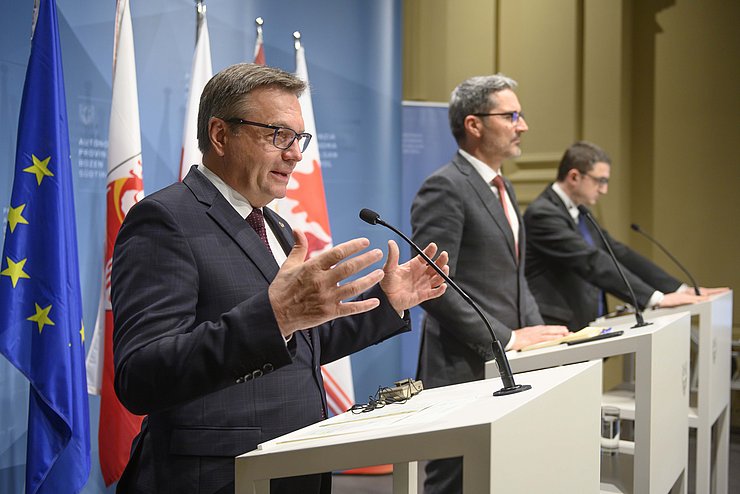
column 584, row 210
column 369, row 216
column 635, row 227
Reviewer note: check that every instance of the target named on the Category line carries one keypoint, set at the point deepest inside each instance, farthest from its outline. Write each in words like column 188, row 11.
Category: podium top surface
column 449, row 407
column 629, row 342
column 697, row 309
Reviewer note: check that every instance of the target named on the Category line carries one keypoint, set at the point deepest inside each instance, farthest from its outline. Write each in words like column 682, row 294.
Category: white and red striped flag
column 201, row 73
column 125, row 188
column 304, row 207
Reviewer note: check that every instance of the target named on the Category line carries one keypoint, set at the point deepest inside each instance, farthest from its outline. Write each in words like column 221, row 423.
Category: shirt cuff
column 511, row 342
column 655, row 299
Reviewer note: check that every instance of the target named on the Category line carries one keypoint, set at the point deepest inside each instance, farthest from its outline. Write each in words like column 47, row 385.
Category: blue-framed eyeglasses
column 282, row 137
column 513, row 116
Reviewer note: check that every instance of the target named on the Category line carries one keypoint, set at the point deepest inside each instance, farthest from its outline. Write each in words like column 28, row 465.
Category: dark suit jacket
column 566, row 274
column 197, row 347
column 458, row 210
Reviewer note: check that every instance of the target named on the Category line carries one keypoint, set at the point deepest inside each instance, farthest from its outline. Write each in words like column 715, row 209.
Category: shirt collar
column 569, row 204
column 485, row 171
column 237, row 201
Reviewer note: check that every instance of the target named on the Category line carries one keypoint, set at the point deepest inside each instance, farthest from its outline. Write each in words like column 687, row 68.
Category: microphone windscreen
column 369, row 216
column 635, row 227
column 583, row 210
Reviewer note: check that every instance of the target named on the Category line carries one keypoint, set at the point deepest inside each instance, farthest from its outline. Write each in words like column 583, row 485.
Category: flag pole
column 297, row 40
column 200, row 12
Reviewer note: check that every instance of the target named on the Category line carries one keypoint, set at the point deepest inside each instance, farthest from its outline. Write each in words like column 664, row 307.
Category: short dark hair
column 227, row 93
column 472, row 96
column 582, row 156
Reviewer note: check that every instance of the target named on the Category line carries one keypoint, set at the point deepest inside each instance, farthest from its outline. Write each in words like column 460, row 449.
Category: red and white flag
column 125, row 188
column 259, row 49
column 201, row 73
column 304, row 207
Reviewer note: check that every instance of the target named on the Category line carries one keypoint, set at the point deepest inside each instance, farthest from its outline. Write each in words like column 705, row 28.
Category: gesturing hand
column 307, row 293
column 413, row 282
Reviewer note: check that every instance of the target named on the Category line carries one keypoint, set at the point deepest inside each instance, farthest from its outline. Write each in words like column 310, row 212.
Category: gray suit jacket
column 456, row 209
column 197, row 347
column 566, row 274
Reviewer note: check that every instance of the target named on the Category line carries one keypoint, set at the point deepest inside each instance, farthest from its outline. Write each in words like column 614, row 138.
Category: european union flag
column 41, row 329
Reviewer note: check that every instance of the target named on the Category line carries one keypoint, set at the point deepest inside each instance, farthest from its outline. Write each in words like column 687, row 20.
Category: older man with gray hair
column 470, row 210
column 221, row 324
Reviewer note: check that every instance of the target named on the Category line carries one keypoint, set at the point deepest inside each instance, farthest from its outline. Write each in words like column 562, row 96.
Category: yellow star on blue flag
column 15, row 217
column 40, row 168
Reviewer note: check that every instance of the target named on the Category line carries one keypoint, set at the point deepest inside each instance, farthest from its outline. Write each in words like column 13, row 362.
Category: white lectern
column 661, row 394
column 542, row 440
column 709, row 410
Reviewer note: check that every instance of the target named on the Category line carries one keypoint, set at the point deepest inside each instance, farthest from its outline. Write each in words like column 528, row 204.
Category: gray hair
column 227, row 93
column 472, row 96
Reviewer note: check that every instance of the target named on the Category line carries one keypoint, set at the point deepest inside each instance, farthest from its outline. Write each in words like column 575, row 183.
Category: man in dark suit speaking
column 470, row 210
column 221, row 325
column 568, row 267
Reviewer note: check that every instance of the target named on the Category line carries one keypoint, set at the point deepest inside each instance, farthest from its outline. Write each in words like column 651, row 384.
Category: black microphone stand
column 638, row 314
column 499, row 355
column 637, row 228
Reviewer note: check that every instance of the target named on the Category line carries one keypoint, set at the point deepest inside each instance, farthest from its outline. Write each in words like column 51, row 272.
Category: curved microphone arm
column 638, row 313
column 499, row 355
column 637, row 228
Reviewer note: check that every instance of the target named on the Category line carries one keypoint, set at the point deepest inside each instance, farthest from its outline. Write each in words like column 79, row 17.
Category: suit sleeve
column 552, row 235
column 438, row 215
column 649, row 272
column 163, row 356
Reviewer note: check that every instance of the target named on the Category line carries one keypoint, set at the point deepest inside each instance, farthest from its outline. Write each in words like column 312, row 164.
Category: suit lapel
column 220, row 211
column 553, row 197
column 489, row 200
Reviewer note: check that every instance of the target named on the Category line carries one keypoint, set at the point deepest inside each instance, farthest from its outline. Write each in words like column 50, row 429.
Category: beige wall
column 654, row 82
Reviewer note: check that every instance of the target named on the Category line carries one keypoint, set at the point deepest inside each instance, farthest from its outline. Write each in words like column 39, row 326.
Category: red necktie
column 257, row 221
column 499, row 183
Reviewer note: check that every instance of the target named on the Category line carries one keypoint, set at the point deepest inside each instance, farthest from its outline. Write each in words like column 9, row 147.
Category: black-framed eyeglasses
column 513, row 116
column 282, row 137
column 601, row 181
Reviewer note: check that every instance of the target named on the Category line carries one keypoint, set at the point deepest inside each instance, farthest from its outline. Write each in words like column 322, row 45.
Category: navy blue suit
column 197, row 347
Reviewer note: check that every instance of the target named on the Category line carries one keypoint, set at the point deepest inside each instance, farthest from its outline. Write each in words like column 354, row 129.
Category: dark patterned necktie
column 257, row 221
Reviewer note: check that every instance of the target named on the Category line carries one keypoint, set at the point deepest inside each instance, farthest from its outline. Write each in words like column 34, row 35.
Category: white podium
column 542, row 440
column 709, row 402
column 660, row 397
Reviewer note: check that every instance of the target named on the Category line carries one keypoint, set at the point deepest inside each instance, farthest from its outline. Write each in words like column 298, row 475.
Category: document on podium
column 415, row 411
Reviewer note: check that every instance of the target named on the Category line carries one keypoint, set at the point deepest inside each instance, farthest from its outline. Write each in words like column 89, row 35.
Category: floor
column 383, row 484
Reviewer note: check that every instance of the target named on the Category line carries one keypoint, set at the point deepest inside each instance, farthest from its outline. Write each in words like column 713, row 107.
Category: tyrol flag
column 41, row 329
column 125, row 188
column 305, row 208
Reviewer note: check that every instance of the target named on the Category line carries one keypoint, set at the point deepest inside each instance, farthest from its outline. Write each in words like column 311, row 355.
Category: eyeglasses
column 514, row 116
column 282, row 138
column 602, row 181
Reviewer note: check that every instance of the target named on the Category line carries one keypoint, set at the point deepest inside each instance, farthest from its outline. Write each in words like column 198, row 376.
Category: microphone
column 636, row 228
column 638, row 314
column 510, row 387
